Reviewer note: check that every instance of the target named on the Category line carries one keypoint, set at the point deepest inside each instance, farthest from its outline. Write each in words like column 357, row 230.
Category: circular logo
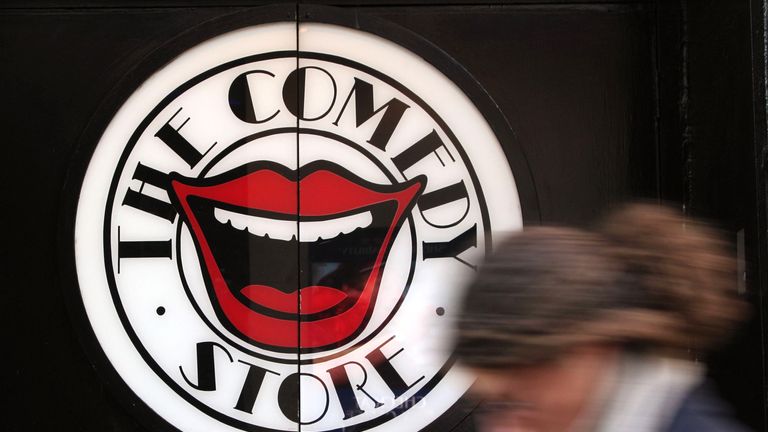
column 272, row 236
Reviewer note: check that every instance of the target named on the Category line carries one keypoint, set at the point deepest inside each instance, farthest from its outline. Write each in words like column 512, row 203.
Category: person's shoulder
column 703, row 411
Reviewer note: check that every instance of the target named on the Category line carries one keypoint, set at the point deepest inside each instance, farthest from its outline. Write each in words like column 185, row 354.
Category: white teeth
column 330, row 228
column 272, row 228
column 286, row 229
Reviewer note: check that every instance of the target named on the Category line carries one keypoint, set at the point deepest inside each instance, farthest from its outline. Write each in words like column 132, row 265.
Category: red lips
column 269, row 290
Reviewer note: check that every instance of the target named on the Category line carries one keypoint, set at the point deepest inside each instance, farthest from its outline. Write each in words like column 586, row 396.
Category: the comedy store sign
column 269, row 239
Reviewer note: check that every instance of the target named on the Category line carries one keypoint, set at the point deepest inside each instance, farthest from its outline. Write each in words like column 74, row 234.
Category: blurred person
column 580, row 331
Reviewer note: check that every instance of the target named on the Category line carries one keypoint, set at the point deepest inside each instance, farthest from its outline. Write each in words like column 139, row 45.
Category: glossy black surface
column 576, row 87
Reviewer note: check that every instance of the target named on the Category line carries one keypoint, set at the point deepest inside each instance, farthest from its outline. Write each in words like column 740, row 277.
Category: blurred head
column 552, row 308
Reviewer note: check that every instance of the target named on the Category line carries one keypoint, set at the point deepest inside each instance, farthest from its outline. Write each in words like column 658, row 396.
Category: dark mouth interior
column 343, row 262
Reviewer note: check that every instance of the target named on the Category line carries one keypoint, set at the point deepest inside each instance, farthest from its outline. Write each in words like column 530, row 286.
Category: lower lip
column 314, row 299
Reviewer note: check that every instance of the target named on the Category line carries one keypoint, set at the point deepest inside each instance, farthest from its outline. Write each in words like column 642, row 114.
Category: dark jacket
column 703, row 411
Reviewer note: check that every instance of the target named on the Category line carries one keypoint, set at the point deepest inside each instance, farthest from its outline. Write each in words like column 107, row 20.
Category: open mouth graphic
column 293, row 262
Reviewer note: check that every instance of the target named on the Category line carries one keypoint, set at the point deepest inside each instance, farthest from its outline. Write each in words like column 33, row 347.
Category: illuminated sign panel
column 273, row 231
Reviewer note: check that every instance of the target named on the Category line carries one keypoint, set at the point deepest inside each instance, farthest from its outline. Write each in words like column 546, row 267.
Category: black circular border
column 126, row 85
column 344, row 141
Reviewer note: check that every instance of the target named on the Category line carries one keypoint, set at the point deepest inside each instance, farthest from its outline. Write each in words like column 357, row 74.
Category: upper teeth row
column 308, row 231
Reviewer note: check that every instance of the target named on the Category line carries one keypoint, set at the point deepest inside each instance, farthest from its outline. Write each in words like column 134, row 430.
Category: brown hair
column 645, row 278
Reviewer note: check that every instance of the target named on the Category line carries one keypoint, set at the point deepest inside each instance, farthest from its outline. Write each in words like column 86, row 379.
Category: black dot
column 160, row 310
column 440, row 311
